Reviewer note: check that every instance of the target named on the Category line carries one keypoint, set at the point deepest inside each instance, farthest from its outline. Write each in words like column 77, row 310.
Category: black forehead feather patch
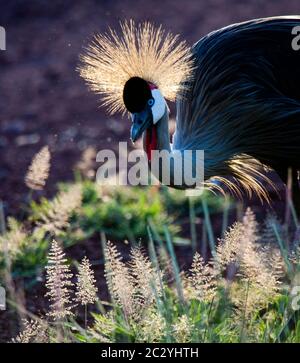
column 136, row 93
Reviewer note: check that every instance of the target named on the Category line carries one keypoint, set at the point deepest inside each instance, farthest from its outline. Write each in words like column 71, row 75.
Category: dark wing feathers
column 245, row 95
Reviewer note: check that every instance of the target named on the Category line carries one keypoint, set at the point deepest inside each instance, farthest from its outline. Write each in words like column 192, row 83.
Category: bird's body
column 245, row 96
column 239, row 94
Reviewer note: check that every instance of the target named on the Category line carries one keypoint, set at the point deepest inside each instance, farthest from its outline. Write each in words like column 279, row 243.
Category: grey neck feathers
column 163, row 144
column 163, row 134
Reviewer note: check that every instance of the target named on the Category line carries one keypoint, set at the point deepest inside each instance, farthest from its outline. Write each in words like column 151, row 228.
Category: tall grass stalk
column 244, row 313
column 161, row 303
column 225, row 215
column 103, row 245
column 204, row 241
column 192, row 224
column 154, row 259
column 208, row 317
column 282, row 248
column 155, row 233
column 294, row 213
column 211, row 238
column 157, row 238
column 175, row 266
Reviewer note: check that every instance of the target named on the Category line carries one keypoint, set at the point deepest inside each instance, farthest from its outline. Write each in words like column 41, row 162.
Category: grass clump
column 242, row 289
column 235, row 297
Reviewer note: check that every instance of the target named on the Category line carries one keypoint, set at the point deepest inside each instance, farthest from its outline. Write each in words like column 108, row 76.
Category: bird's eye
column 151, row 102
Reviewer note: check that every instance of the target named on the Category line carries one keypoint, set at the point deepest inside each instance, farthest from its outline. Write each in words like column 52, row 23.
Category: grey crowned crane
column 237, row 94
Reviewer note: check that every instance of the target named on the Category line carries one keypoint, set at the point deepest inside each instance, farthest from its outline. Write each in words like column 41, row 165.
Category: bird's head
column 145, row 103
column 136, row 71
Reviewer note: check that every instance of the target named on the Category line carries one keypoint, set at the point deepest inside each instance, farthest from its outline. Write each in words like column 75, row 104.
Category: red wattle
column 151, row 141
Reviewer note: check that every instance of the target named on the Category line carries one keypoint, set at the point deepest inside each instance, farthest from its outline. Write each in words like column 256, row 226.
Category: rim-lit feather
column 243, row 105
column 139, row 50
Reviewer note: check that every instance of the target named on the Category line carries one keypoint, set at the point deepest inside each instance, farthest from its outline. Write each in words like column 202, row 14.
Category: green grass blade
column 175, row 266
column 211, row 238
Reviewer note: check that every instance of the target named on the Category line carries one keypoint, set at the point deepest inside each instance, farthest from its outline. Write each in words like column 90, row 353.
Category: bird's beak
column 140, row 122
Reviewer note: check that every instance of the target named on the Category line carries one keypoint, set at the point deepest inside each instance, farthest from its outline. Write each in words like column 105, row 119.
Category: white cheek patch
column 159, row 107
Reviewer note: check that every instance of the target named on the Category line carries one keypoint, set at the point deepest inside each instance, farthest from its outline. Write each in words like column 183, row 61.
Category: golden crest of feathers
column 140, row 50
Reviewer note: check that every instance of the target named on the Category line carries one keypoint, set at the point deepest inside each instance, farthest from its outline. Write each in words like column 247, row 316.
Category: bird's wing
column 245, row 95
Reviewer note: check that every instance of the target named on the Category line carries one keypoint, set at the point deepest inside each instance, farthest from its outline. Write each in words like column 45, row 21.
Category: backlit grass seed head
column 119, row 281
column 250, row 226
column 268, row 236
column 140, row 50
column 145, row 279
column 229, row 246
column 86, row 290
column 202, row 279
column 258, row 280
column 252, row 264
column 274, row 260
column 12, row 241
column 87, row 163
column 33, row 332
column 38, row 170
column 294, row 257
column 152, row 327
column 56, row 217
column 58, row 283
column 182, row 329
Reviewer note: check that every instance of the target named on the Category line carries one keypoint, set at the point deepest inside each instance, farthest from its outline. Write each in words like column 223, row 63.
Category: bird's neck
column 170, row 174
column 157, row 137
